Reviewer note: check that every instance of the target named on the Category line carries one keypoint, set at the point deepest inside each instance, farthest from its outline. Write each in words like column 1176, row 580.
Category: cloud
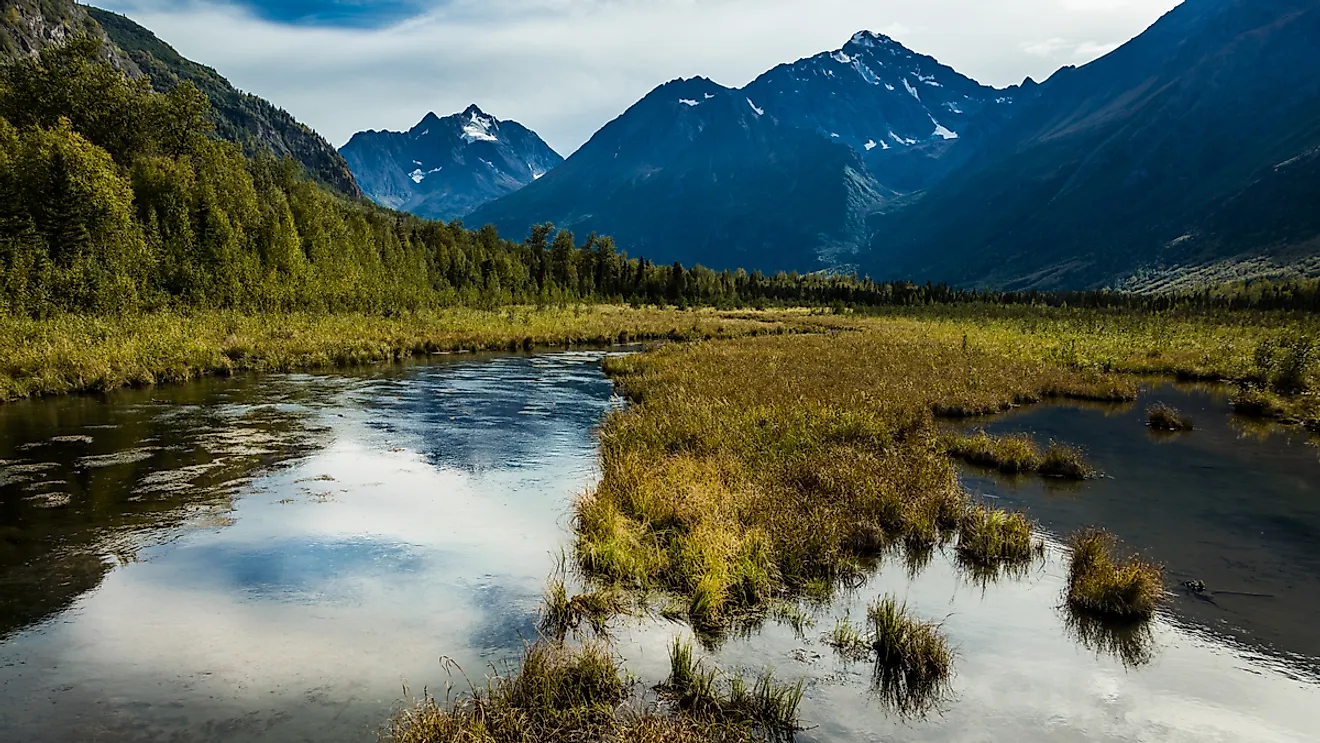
column 566, row 67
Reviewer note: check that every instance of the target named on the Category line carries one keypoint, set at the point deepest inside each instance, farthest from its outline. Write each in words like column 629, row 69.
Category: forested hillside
column 114, row 198
column 253, row 123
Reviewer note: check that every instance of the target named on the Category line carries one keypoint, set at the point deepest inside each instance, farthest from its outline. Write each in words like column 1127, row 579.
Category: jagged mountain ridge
column 779, row 174
column 1192, row 146
column 443, row 168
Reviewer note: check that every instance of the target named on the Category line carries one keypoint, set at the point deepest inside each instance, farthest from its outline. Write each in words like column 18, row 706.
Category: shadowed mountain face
column 445, row 168
column 1191, row 150
column 777, row 175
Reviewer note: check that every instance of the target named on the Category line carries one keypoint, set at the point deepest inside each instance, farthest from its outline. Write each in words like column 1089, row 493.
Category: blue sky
column 566, row 67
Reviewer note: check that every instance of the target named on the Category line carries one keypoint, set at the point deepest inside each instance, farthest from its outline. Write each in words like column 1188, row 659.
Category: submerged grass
column 562, row 614
column 1103, row 586
column 913, row 660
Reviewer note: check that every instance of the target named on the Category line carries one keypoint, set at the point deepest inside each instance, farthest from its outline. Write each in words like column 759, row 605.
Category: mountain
column 28, row 26
column 252, row 122
column 777, row 175
column 1190, row 154
column 445, row 168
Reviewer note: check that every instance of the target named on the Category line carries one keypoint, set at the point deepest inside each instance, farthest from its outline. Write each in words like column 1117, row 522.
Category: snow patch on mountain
column 479, row 128
column 759, row 111
column 689, row 102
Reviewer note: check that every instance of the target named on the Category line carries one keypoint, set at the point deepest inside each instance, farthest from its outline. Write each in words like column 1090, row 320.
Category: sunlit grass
column 767, row 705
column 1015, row 454
column 1105, row 586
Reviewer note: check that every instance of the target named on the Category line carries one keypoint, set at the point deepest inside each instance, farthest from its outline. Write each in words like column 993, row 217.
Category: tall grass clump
column 1013, row 454
column 767, row 705
column 1066, row 462
column 991, row 538
column 1101, row 585
column 913, row 661
column 1161, row 417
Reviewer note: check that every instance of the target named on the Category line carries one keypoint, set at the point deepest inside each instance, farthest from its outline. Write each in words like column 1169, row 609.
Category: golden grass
column 757, row 468
column 561, row 692
column 74, row 353
column 1016, row 454
column 1103, row 586
column 766, row 705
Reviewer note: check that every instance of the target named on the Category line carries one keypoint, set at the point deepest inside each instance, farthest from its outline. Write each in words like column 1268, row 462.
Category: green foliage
column 1103, row 586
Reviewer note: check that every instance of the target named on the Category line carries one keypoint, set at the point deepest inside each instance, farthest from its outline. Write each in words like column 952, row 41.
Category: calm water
column 275, row 558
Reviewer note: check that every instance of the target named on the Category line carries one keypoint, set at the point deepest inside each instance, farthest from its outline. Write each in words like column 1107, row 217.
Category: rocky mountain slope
column 443, row 168
column 1191, row 151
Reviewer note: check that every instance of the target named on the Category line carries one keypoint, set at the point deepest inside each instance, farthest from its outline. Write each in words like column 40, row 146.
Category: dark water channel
column 274, row 558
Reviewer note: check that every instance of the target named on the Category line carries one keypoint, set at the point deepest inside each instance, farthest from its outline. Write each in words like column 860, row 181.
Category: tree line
column 118, row 198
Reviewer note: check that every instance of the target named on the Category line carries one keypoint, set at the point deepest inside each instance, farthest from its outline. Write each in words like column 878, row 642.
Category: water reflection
column 1130, row 641
column 273, row 558
column 1232, row 504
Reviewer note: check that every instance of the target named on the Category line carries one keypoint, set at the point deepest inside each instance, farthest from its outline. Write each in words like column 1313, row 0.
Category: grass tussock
column 990, row 538
column 560, row 693
column 1104, row 586
column 1161, row 417
column 765, row 704
column 913, row 660
column 1016, row 454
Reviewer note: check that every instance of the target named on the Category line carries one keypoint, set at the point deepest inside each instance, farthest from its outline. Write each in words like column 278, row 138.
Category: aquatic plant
column 571, row 693
column 1012, row 454
column 913, row 661
column 769, row 706
column 1017, row 453
column 1104, row 586
column 993, row 538
column 1162, row 417
column 848, row 639
column 1067, row 462
column 561, row 614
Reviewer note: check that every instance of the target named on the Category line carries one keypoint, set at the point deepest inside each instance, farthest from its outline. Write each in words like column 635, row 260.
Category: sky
column 564, row 68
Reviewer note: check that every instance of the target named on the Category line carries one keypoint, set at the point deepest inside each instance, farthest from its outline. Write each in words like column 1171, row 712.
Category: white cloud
column 566, row 67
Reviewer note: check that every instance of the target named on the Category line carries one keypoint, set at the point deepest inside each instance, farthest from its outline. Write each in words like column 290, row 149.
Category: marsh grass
column 913, row 660
column 1016, row 454
column 1066, row 462
column 580, row 693
column 562, row 614
column 765, row 704
column 995, row 540
column 758, row 470
column 75, row 353
column 1162, row 417
column 849, row 640
column 1103, row 586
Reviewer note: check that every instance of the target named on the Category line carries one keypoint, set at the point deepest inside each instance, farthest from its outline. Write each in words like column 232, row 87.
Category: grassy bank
column 756, row 468
column 75, row 353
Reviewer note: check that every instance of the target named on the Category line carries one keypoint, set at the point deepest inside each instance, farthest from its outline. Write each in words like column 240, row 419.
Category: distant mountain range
column 780, row 174
column 443, row 168
column 27, row 26
column 1189, row 155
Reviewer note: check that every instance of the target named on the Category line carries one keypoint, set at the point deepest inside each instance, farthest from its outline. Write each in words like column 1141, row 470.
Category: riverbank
column 82, row 353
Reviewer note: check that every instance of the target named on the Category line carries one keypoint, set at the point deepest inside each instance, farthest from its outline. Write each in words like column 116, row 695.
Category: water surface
column 275, row 558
